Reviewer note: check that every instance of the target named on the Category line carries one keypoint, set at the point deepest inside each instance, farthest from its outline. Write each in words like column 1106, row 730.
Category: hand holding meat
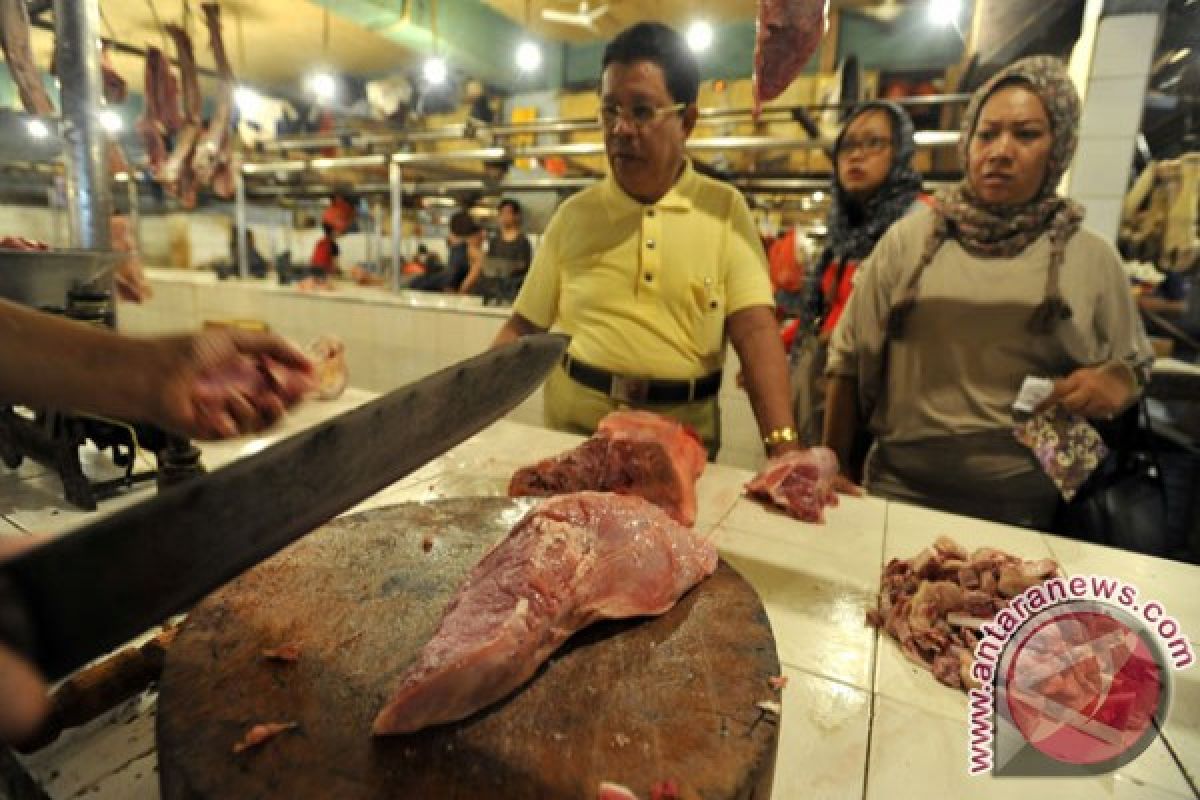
column 227, row 383
column 1094, row 392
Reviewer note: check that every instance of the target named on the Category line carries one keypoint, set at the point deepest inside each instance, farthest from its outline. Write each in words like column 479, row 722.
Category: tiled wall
column 1112, row 111
column 388, row 343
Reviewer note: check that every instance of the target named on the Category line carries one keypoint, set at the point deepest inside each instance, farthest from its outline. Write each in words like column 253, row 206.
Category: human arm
column 474, row 269
column 516, row 327
column 755, row 337
column 841, row 429
column 1124, row 355
column 207, row 385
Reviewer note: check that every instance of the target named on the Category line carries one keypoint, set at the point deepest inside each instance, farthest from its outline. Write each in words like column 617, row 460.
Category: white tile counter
column 392, row 338
column 859, row 720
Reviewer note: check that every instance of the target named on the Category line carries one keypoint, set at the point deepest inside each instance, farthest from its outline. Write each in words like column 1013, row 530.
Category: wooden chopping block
column 634, row 702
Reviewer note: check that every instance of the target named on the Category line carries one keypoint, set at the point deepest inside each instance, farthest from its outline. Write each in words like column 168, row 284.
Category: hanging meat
column 18, row 52
column 213, row 160
column 162, row 106
column 788, row 32
column 115, row 88
column 177, row 176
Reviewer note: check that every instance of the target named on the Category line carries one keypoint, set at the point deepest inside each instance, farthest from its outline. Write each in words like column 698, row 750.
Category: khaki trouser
column 572, row 407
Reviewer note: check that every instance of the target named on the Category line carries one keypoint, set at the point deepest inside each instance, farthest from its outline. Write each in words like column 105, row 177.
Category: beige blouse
column 966, row 349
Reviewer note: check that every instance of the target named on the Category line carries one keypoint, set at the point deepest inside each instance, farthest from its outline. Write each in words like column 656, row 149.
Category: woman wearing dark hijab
column 960, row 303
column 874, row 184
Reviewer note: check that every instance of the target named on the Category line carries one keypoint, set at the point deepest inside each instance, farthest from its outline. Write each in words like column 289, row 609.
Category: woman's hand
column 1095, row 392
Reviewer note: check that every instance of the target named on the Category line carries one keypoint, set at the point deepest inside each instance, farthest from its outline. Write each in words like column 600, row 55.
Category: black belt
column 642, row 391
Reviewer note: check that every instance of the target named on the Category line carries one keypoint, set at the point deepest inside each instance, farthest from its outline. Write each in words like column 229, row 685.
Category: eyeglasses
column 869, row 145
column 639, row 116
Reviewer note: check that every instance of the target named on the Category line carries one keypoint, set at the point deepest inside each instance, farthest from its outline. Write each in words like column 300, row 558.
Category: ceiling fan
column 585, row 17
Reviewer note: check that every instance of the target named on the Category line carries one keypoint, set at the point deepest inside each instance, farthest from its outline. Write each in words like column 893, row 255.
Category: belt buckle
column 631, row 391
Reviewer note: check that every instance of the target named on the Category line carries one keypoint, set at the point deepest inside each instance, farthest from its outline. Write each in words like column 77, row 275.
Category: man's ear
column 690, row 115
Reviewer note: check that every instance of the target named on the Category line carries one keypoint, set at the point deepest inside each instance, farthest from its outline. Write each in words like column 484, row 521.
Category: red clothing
column 339, row 215
column 323, row 255
column 787, row 275
column 835, row 301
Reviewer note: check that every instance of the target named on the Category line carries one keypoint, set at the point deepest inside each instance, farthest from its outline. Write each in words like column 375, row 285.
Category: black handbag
column 1124, row 502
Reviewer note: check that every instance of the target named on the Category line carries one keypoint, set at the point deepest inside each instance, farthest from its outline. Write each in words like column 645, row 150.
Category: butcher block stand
column 633, row 702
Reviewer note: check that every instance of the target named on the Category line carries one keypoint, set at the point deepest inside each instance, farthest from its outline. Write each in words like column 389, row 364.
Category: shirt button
column 649, row 278
column 649, row 212
column 649, row 244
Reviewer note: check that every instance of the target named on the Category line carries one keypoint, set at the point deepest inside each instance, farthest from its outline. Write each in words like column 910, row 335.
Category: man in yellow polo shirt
column 651, row 269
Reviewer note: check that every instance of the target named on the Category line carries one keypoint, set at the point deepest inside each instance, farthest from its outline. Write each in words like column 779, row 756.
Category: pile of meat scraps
column 572, row 561
column 799, row 482
column 934, row 604
column 633, row 452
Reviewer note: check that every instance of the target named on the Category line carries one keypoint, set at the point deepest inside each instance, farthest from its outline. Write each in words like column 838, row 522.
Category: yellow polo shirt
column 644, row 290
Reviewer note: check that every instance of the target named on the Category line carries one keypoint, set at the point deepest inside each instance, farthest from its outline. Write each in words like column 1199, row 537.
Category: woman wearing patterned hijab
column 959, row 303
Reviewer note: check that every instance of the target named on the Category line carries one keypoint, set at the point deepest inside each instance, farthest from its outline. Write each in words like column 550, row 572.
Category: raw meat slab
column 633, row 702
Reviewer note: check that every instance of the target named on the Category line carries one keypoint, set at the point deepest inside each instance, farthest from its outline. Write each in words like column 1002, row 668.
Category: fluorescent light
column 111, row 120
column 37, row 129
column 529, row 57
column 323, row 85
column 699, row 36
column 818, row 196
column 435, row 71
column 944, row 12
column 248, row 101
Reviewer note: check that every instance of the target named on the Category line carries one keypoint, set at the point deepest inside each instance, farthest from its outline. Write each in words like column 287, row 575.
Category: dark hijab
column 853, row 227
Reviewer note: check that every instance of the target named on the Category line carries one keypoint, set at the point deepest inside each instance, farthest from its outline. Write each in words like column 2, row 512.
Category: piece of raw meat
column 799, row 482
column 572, row 561
column 215, row 147
column 18, row 52
column 261, row 733
column 932, row 603
column 787, row 34
column 633, row 452
column 115, row 88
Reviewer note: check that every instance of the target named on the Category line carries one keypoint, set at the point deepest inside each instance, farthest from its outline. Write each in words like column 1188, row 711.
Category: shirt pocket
column 708, row 302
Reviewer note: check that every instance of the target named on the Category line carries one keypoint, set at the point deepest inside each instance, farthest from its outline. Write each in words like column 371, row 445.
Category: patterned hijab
column 991, row 231
column 854, row 228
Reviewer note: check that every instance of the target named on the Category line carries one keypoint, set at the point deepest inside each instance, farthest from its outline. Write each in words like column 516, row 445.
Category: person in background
column 325, row 253
column 188, row 384
column 874, row 184
column 509, row 255
column 464, row 259
column 256, row 265
column 959, row 303
column 651, row 270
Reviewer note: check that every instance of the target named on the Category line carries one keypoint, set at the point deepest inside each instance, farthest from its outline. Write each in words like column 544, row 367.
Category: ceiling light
column 111, row 120
column 699, row 36
column 248, row 101
column 818, row 197
column 529, row 56
column 37, row 129
column 323, row 85
column 944, row 12
column 435, row 71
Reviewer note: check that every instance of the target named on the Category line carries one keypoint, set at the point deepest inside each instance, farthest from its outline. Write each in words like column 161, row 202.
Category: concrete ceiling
column 678, row 13
column 272, row 43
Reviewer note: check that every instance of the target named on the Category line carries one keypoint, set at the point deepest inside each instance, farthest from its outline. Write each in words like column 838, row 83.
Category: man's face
column 644, row 141
column 508, row 217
